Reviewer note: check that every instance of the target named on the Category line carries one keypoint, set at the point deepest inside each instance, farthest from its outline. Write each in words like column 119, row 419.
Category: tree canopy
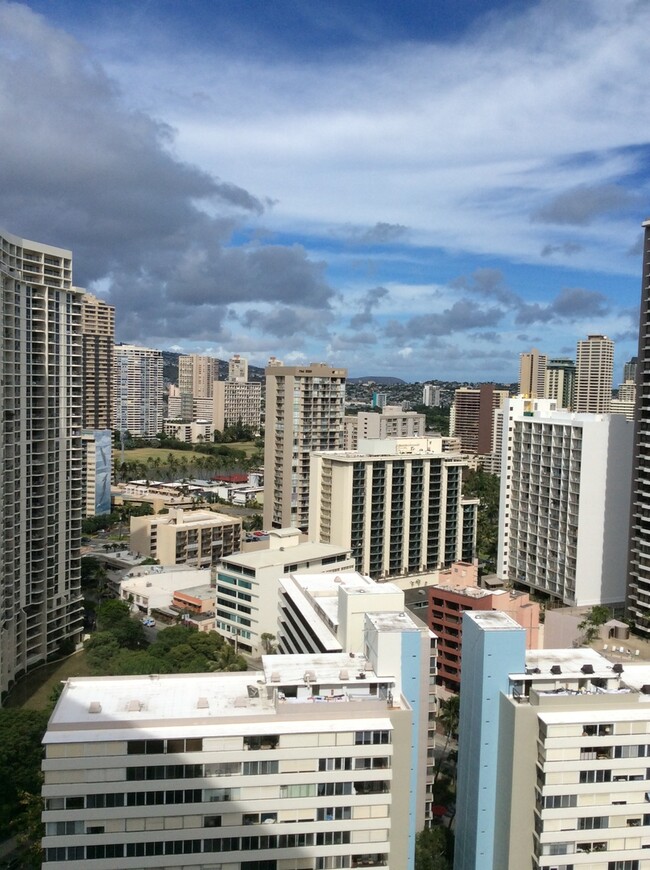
column 486, row 487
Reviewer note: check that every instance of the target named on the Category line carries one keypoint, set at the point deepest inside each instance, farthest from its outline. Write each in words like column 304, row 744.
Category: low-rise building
column 194, row 432
column 248, row 583
column 198, row 538
column 151, row 587
column 304, row 764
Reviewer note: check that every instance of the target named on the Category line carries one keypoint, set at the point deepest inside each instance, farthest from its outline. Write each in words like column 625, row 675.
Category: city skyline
column 418, row 192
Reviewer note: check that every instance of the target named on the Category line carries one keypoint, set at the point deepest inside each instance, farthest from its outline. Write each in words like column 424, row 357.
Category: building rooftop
column 494, row 619
column 395, row 621
column 204, row 592
column 279, row 557
column 331, row 669
column 570, row 661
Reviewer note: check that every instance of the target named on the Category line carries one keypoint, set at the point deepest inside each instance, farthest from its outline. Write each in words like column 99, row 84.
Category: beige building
column 235, row 401
column 625, row 402
column 594, row 373
column 196, row 432
column 303, row 764
column 248, row 583
column 41, row 499
column 396, row 503
column 196, row 375
column 237, row 368
column 137, row 390
column 392, row 422
column 181, row 408
column 196, row 538
column 532, row 371
column 559, row 382
column 304, row 412
column 98, row 330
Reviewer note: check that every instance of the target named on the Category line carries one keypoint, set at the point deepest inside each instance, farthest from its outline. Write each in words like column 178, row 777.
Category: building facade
column 137, row 390
column 304, row 412
column 532, row 372
column 236, row 402
column 248, row 584
column 41, row 499
column 237, row 368
column 197, row 374
column 564, row 508
column 396, row 503
column 302, row 765
column 431, row 396
column 638, row 593
column 96, row 470
column 195, row 538
column 472, row 417
column 393, row 422
column 552, row 759
column 196, row 432
column 594, row 375
column 559, row 382
column 98, row 330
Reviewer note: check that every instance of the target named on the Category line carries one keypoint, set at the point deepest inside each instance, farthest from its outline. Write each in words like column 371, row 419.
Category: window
column 334, row 763
column 593, row 822
column 223, row 768
column 256, row 768
column 639, row 751
column 211, row 821
column 266, row 741
column 623, row 865
column 365, row 738
column 330, row 814
column 297, row 791
column 557, row 801
column 597, row 730
column 332, row 838
column 595, row 776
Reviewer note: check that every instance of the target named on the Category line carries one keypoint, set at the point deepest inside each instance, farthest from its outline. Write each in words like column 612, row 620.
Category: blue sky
column 420, row 189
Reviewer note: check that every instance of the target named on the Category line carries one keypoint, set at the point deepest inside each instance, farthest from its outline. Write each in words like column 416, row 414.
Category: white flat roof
column 191, row 705
column 275, row 558
column 327, row 668
column 569, row 660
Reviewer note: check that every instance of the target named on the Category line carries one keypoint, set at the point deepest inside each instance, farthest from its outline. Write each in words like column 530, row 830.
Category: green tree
column 112, row 613
column 434, row 849
column 268, row 642
column 485, row 486
column 21, row 733
column 29, row 830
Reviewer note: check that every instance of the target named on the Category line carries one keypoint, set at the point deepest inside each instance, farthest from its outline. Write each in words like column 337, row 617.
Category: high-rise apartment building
column 532, row 370
column 236, row 402
column 431, row 395
column 98, row 330
column 564, row 508
column 396, row 503
column 304, row 412
column 638, row 600
column 559, row 382
column 237, row 368
column 552, row 757
column 594, row 373
column 472, row 417
column 137, row 390
column 317, row 761
column 625, row 401
column 629, row 369
column 196, row 375
column 40, row 455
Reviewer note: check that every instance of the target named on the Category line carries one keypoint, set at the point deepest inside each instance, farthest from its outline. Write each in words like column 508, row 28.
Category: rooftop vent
column 309, row 676
column 275, row 677
column 344, row 675
column 94, row 707
column 556, row 669
column 587, row 669
column 202, row 704
column 241, row 702
column 617, row 668
column 134, row 706
column 645, row 689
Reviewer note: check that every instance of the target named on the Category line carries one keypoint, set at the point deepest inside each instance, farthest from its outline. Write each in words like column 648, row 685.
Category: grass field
column 143, row 454
column 33, row 691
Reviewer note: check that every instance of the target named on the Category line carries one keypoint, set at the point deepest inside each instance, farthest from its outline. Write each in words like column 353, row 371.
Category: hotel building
column 137, row 390
column 397, row 504
column 195, row 538
column 565, row 496
column 594, row 375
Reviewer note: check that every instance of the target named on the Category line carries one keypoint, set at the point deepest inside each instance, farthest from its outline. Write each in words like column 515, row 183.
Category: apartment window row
column 160, row 747
column 366, row 738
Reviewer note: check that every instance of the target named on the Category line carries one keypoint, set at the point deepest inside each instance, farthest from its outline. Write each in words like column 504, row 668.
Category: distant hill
column 380, row 380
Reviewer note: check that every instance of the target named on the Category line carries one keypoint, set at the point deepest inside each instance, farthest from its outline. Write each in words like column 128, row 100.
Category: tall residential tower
column 594, row 373
column 40, row 455
column 304, row 412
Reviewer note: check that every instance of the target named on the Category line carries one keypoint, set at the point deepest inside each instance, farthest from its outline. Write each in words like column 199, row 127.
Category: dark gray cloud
column 369, row 302
column 488, row 283
column 80, row 170
column 568, row 248
column 462, row 316
column 380, row 234
column 568, row 305
column 289, row 322
column 580, row 205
